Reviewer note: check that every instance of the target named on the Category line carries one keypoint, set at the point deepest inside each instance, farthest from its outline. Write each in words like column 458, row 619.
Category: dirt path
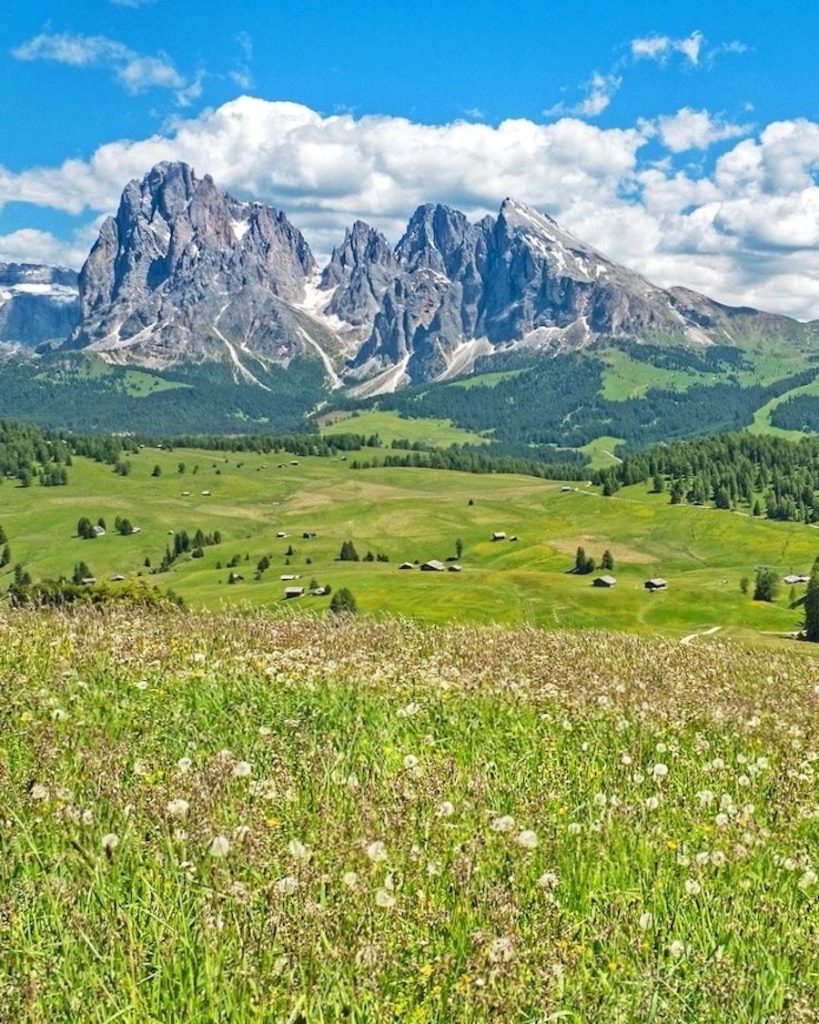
column 704, row 632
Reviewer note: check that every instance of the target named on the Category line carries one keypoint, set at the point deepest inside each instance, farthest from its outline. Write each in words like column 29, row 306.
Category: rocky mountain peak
column 433, row 237
column 179, row 263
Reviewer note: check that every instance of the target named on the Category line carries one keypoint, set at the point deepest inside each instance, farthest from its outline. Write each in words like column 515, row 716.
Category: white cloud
column 696, row 129
column 30, row 245
column 693, row 49
column 599, row 91
column 136, row 72
column 660, row 48
column 747, row 231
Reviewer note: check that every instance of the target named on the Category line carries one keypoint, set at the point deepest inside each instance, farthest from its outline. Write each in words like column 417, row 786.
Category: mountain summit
column 187, row 274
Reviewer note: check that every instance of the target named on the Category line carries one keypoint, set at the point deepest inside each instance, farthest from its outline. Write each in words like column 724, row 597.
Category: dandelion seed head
column 177, row 808
column 384, row 899
column 504, row 823
column 299, row 851
column 527, row 839
column 377, row 851
column 501, row 950
column 219, row 847
column 110, row 841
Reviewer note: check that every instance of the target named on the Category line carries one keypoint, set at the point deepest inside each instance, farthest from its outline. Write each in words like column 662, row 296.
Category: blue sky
column 354, row 110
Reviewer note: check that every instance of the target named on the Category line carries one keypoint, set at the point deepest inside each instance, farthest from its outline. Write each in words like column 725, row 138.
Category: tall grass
column 214, row 818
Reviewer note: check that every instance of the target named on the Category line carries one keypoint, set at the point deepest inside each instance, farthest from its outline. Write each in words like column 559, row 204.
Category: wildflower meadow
column 240, row 818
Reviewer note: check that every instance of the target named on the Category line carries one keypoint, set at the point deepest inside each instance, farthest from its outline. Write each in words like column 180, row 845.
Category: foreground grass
column 251, row 819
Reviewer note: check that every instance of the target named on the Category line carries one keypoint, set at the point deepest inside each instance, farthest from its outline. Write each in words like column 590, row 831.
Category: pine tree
column 607, row 561
column 812, row 605
column 343, row 602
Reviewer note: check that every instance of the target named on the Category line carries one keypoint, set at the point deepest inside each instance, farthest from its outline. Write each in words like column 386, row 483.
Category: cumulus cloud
column 31, row 245
column 696, row 129
column 745, row 231
column 136, row 72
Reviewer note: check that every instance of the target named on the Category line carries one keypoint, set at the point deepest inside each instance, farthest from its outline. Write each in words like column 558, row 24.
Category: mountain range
column 185, row 275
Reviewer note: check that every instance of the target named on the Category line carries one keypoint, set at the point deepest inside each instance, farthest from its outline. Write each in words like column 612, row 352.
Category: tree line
column 768, row 476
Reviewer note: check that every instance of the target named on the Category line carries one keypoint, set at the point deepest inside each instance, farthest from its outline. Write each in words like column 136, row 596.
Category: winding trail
column 704, row 632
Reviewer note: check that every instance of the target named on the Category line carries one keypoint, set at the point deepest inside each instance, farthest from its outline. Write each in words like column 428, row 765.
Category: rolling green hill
column 411, row 514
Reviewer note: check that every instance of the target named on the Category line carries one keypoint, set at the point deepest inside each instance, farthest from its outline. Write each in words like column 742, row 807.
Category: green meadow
column 413, row 515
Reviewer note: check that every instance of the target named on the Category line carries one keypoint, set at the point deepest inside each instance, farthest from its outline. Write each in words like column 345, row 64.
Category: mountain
column 185, row 275
column 39, row 305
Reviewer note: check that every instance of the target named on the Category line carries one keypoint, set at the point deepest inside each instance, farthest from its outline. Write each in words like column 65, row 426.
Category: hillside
column 236, row 818
column 409, row 514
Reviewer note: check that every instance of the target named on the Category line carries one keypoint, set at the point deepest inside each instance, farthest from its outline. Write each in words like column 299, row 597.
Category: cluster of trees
column 183, row 544
column 301, row 445
column 585, row 564
column 769, row 476
column 799, row 413
column 86, row 530
column 348, row 553
column 28, row 453
column 81, row 572
column 567, row 465
column 25, row 593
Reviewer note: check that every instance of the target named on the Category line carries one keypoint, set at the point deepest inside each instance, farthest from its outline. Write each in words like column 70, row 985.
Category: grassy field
column 247, row 819
column 601, row 451
column 392, row 427
column 762, row 418
column 413, row 514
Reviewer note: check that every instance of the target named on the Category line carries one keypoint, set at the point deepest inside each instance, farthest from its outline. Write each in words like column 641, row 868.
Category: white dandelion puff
column 527, row 839
column 219, row 846
column 178, row 808
column 384, row 899
column 504, row 823
column 377, row 851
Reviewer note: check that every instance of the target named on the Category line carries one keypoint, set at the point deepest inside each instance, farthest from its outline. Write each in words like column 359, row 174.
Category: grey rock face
column 515, row 279
column 185, row 273
column 39, row 305
column 359, row 272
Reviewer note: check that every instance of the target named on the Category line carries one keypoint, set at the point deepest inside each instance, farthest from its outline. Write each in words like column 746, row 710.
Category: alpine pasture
column 412, row 514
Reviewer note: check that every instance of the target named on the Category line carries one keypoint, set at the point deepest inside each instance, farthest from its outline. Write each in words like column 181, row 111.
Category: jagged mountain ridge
column 39, row 305
column 187, row 274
